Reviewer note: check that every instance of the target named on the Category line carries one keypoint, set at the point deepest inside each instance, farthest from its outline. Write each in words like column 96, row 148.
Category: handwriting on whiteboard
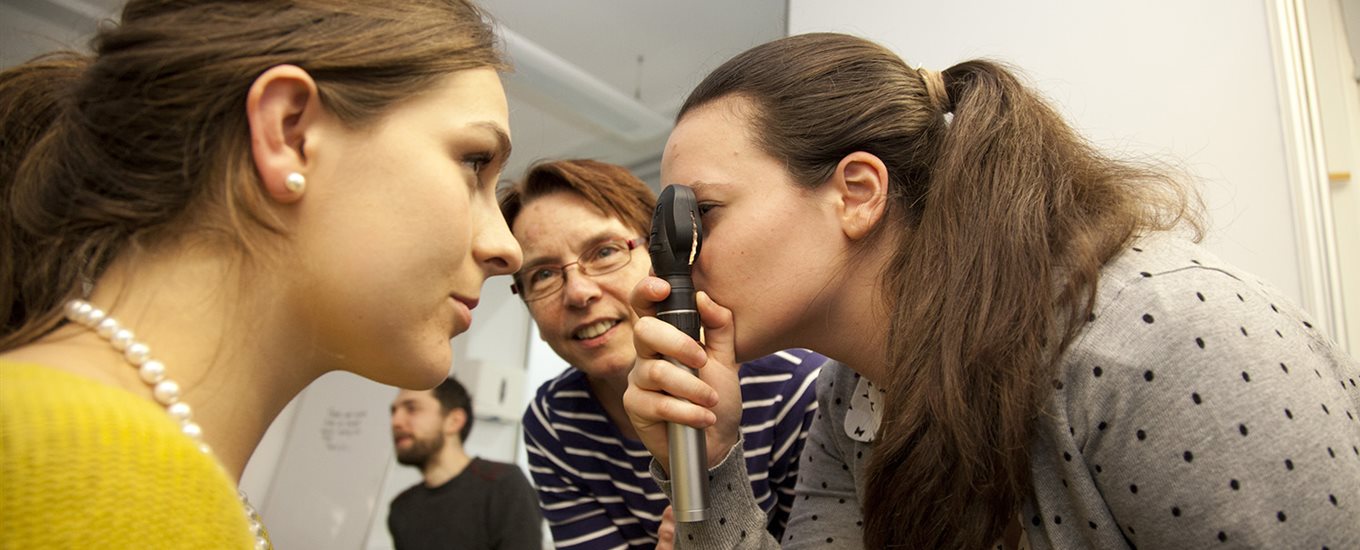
column 341, row 427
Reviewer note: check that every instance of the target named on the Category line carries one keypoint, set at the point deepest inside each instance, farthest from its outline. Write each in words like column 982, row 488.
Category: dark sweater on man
column 489, row 505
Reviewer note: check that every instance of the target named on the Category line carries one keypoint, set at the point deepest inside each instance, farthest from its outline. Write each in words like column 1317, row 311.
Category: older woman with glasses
column 583, row 226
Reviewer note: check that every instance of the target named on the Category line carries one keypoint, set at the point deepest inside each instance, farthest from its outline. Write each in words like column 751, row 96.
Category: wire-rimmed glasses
column 542, row 281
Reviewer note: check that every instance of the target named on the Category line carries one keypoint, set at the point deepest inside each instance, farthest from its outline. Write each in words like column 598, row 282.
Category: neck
column 229, row 350
column 853, row 326
column 609, row 392
column 446, row 464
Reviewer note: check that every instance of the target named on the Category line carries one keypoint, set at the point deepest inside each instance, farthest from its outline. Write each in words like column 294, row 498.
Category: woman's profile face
column 770, row 247
column 399, row 228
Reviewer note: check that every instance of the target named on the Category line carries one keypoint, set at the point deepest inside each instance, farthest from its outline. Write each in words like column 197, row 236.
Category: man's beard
column 421, row 450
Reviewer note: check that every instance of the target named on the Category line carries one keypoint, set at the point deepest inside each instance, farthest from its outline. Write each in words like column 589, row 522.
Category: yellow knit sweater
column 85, row 465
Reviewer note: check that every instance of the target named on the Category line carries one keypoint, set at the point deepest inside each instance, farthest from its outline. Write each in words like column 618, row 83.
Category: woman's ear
column 860, row 185
column 282, row 108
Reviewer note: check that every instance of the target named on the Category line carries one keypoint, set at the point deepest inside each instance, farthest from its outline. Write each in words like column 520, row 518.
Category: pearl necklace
column 165, row 390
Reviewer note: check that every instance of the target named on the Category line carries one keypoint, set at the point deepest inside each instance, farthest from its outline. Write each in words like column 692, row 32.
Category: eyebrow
column 698, row 185
column 503, row 145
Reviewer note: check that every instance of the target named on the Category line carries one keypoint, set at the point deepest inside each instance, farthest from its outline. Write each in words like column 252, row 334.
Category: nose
column 494, row 247
column 578, row 289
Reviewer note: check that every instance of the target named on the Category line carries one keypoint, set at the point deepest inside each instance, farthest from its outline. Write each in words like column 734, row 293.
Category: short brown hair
column 452, row 395
column 610, row 187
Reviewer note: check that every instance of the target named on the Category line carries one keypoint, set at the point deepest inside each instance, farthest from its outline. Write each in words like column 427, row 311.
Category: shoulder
column 492, row 470
column 800, row 363
column 835, row 386
column 408, row 496
column 57, row 409
column 1170, row 270
column 564, row 385
column 778, row 384
column 567, row 392
column 54, row 423
column 1169, row 300
column 786, row 372
column 1173, row 327
column 836, row 378
column 1190, row 370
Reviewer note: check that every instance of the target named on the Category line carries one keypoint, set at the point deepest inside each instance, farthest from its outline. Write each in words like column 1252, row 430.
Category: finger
column 666, row 532
column 653, row 338
column 661, row 376
column 647, row 293
column 648, row 408
column 719, row 328
column 637, row 404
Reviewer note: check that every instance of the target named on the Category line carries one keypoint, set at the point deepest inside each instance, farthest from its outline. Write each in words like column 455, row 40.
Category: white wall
column 1193, row 82
column 29, row 28
column 1338, row 82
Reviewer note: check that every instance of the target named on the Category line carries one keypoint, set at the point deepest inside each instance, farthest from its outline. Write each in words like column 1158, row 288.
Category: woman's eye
column 705, row 207
column 606, row 251
column 477, row 162
column 540, row 275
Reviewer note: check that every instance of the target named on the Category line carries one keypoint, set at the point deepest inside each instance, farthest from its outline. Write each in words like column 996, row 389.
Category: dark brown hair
column 452, row 395
column 1001, row 217
column 147, row 140
column 610, row 187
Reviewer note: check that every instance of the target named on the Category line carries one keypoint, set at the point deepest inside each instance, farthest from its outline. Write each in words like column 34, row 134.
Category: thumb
column 719, row 329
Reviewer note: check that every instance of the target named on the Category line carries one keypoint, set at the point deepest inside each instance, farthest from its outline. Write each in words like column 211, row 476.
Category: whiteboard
column 329, row 475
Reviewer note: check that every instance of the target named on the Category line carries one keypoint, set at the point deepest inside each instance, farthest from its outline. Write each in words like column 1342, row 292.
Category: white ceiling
column 654, row 51
column 651, row 52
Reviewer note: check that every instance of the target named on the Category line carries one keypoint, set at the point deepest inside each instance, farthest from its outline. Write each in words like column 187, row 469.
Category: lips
column 463, row 313
column 471, row 303
column 595, row 329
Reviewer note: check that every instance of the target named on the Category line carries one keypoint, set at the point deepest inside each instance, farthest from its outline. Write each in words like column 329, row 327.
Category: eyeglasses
column 545, row 280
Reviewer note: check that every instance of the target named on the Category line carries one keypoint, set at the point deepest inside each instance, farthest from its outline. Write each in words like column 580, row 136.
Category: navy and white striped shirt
column 594, row 485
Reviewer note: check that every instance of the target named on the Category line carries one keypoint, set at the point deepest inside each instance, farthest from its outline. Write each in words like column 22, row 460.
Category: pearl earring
column 295, row 182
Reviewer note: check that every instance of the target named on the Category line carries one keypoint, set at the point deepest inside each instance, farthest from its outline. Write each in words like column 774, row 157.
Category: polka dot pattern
column 1197, row 409
column 826, row 511
column 1185, row 419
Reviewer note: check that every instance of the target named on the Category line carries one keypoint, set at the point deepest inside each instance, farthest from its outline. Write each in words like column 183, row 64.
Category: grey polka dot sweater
column 1197, row 409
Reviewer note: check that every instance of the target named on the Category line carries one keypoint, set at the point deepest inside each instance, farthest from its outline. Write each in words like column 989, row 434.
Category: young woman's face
column 399, row 228
column 588, row 322
column 770, row 247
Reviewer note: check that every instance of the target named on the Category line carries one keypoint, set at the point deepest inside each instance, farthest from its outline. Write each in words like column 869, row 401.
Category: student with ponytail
column 1030, row 349
column 224, row 202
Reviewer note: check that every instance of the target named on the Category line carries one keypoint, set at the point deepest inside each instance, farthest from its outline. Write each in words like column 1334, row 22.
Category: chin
column 612, row 365
column 410, row 374
column 436, row 374
column 460, row 329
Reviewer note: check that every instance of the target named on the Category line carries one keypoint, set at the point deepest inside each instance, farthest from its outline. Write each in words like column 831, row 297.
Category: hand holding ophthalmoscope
column 709, row 397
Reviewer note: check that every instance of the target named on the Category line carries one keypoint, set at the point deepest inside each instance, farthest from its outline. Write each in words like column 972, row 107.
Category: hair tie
column 935, row 90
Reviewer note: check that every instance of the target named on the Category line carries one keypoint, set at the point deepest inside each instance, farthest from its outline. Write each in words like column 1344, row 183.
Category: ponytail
column 1019, row 217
